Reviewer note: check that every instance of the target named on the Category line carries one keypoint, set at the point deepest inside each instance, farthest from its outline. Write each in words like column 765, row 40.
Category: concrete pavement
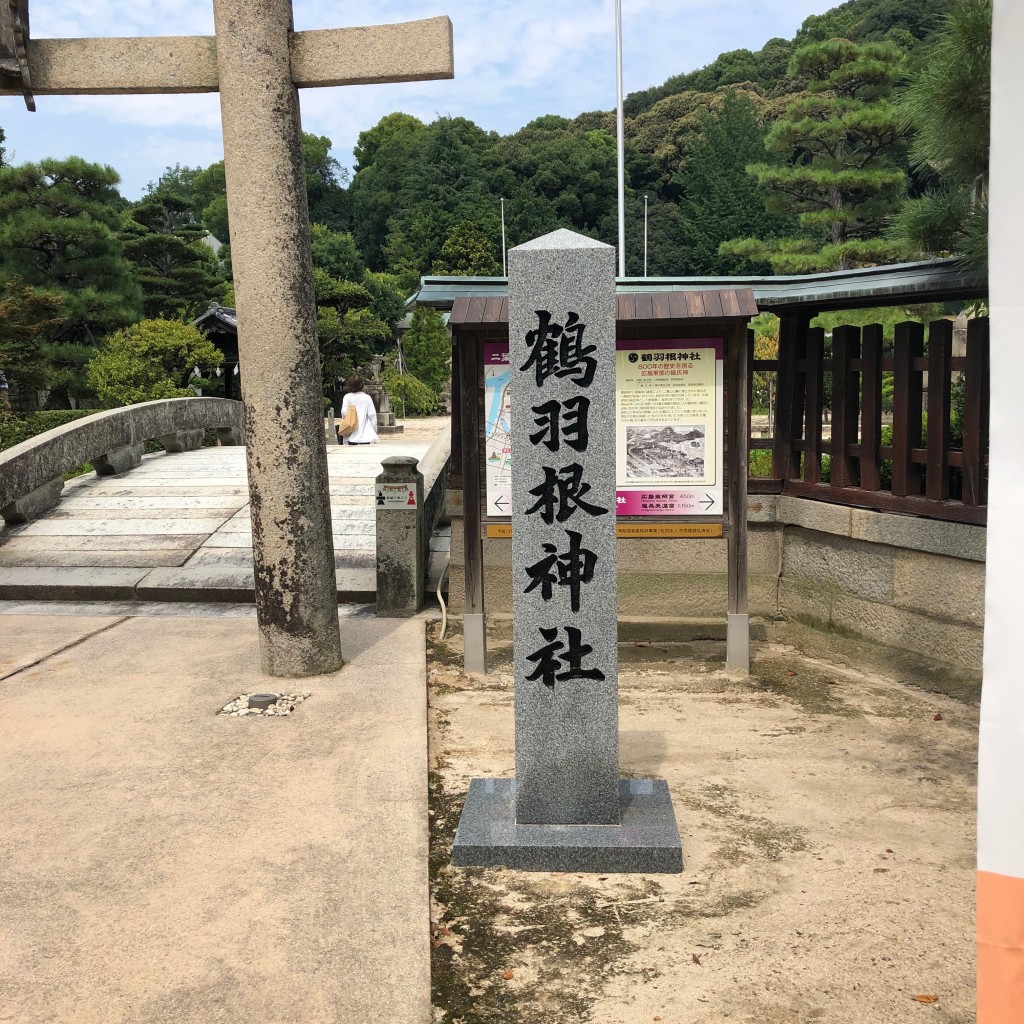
column 165, row 864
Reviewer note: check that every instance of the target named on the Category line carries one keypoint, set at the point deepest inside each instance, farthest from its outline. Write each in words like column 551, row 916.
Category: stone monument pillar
column 566, row 809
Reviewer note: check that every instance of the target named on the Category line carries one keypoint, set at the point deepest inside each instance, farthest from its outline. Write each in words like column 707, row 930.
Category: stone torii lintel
column 412, row 51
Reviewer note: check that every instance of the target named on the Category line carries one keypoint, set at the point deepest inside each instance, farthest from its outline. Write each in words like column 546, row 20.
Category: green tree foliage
column 150, row 360
column 557, row 175
column 388, row 296
column 841, row 144
column 414, row 183
column 767, row 70
column 947, row 107
column 30, row 319
column 59, row 224
column 873, row 20
column 336, row 254
column 349, row 331
column 427, row 349
column 408, row 392
column 178, row 273
column 326, row 182
column 206, row 189
column 722, row 201
column 467, row 251
column 177, row 181
column 2, row 150
column 210, row 200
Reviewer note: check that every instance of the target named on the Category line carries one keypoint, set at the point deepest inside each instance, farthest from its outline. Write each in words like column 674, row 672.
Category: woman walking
column 366, row 415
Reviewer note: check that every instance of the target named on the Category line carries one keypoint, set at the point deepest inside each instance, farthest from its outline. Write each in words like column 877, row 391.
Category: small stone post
column 401, row 569
column 566, row 809
column 293, row 550
column 331, row 429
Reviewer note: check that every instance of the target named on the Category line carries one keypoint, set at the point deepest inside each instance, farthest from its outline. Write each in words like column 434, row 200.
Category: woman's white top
column 366, row 431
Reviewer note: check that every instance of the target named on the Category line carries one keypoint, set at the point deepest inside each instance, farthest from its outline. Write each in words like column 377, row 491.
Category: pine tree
column 178, row 273
column 29, row 320
column 840, row 177
column 59, row 231
column 59, row 224
column 947, row 106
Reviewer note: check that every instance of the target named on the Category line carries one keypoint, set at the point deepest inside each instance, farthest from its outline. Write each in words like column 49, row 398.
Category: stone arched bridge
column 172, row 525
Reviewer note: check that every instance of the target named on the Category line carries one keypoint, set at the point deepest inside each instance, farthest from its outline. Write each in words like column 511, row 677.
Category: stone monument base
column 646, row 841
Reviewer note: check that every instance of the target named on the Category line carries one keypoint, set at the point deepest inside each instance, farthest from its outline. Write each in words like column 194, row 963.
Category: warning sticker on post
column 396, row 496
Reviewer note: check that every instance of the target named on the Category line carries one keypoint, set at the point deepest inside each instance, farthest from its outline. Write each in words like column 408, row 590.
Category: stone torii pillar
column 256, row 62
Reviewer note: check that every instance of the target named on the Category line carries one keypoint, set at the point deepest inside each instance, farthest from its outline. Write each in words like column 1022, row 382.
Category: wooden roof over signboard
column 714, row 304
column 808, row 294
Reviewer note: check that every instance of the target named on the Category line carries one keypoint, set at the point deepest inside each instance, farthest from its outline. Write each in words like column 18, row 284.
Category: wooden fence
column 932, row 458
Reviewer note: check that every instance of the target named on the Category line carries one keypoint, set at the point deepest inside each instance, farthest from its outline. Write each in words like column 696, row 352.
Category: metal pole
column 621, row 134
column 645, row 236
column 504, row 258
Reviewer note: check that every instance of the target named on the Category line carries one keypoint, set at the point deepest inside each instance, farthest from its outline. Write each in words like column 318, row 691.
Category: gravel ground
column 828, row 821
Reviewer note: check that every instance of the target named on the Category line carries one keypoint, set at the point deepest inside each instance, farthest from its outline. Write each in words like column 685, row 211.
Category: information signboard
column 497, row 429
column 669, row 428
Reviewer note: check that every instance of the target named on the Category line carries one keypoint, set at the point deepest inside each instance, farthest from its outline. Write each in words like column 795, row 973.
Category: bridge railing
column 113, row 441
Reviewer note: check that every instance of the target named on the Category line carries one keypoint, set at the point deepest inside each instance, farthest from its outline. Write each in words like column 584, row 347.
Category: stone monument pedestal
column 646, row 840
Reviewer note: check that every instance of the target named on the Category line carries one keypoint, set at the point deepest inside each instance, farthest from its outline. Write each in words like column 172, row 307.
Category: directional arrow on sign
column 501, row 503
column 707, row 502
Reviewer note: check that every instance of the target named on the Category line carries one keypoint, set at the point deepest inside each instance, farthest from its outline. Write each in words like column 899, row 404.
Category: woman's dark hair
column 354, row 383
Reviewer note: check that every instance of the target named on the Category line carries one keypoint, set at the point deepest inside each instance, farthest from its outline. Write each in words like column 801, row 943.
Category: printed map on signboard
column 497, row 430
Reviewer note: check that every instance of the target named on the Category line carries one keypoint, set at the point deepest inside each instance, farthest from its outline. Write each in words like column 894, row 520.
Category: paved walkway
column 178, row 528
column 166, row 865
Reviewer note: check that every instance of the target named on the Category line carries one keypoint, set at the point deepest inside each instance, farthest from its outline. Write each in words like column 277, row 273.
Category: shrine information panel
column 669, row 429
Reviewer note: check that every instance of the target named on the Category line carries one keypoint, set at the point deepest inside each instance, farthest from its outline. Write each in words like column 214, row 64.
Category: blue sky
column 514, row 60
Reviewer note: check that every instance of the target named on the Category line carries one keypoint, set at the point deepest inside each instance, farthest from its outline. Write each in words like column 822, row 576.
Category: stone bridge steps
column 177, row 528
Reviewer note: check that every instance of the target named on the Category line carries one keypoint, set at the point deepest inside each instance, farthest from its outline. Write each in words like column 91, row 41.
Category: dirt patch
column 828, row 840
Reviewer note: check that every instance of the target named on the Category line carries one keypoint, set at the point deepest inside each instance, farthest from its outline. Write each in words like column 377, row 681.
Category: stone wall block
column 42, row 499
column 946, row 588
column 815, row 515
column 805, row 602
column 908, row 630
column 182, row 441
column 956, row 540
column 829, row 561
column 119, row 460
column 762, row 508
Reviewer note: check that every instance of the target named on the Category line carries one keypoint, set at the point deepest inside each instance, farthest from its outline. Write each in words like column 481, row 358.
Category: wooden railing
column 921, row 459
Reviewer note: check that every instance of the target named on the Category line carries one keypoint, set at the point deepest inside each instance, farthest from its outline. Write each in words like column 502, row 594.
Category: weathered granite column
column 566, row 809
column 296, row 593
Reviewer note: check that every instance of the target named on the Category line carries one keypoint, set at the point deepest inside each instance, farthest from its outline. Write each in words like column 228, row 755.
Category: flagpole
column 621, row 134
column 504, row 268
column 645, row 236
